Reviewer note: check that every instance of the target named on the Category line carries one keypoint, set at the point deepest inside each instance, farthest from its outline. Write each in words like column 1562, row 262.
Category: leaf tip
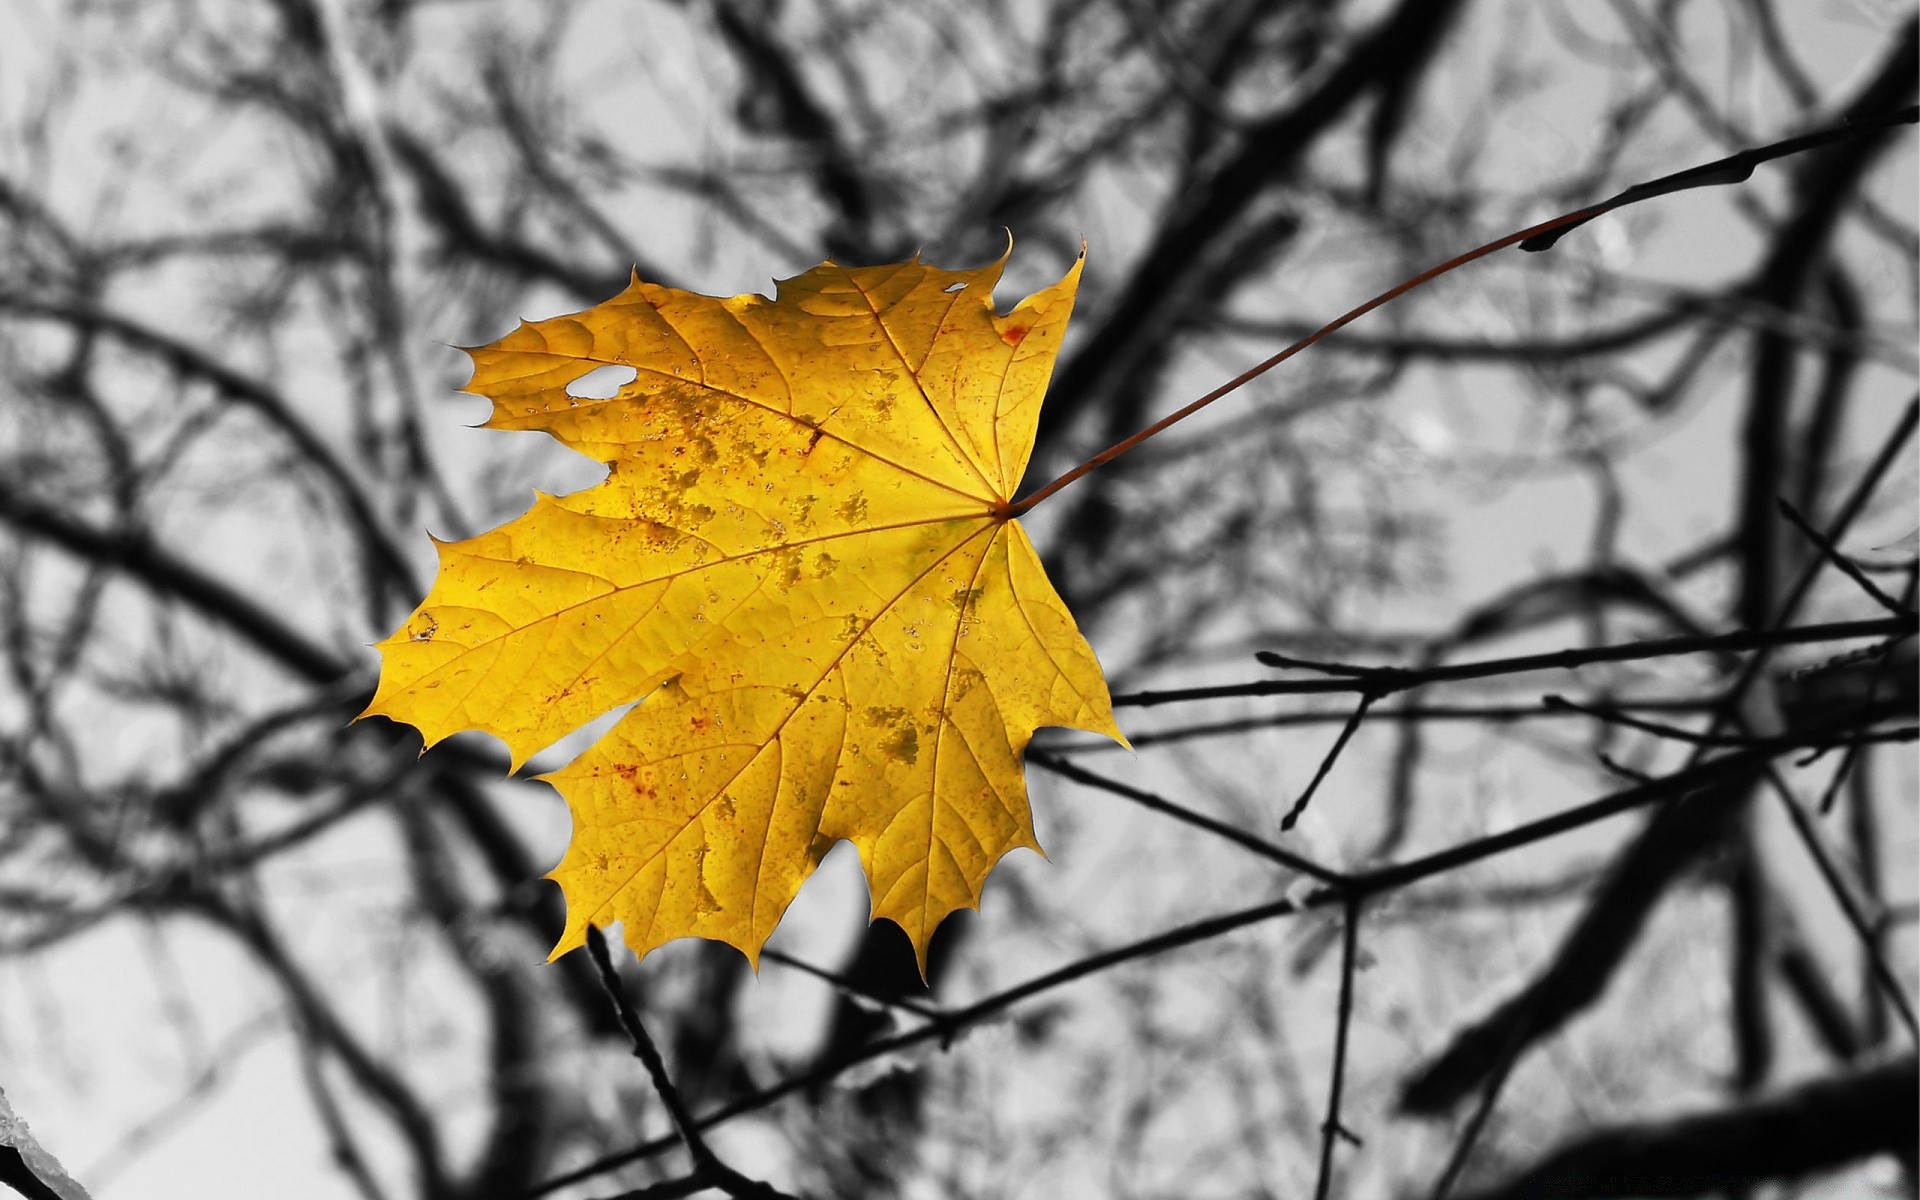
column 571, row 940
column 752, row 954
column 375, row 708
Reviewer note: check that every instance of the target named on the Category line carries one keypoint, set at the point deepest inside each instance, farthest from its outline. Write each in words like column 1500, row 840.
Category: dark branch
column 706, row 1165
column 1816, row 1126
column 1388, row 680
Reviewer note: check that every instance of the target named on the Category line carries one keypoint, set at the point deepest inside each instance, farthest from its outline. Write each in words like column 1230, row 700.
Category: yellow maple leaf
column 803, row 559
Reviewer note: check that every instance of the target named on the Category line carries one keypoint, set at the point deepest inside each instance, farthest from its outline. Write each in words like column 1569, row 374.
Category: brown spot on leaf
column 903, row 746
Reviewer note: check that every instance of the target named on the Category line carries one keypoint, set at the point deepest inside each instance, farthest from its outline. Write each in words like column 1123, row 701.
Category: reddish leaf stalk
column 1564, row 221
column 1735, row 168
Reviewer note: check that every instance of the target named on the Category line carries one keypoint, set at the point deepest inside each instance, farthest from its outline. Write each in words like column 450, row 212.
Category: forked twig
column 1696, row 780
column 1850, row 906
column 1523, row 1026
column 1677, row 787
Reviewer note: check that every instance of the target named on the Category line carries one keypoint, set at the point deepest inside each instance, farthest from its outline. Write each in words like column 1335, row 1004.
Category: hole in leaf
column 955, row 286
column 574, row 744
column 602, row 383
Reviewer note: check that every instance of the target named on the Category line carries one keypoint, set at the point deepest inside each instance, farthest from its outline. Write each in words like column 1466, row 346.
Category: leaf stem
column 1245, row 377
column 1732, row 169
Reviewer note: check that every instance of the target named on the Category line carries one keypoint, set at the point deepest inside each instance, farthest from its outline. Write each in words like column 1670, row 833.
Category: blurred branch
column 443, row 201
column 1701, row 785
column 255, row 396
column 1816, row 1126
column 134, row 553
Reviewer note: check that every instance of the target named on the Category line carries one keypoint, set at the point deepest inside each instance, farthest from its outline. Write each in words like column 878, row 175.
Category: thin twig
column 1614, row 716
column 961, row 1019
column 1621, row 770
column 1160, row 804
column 1535, row 237
column 1841, row 774
column 1863, row 927
column 1331, row 1130
column 1831, row 553
column 1326, row 762
column 1819, row 739
column 645, row 1050
column 1483, row 1108
column 1677, row 786
column 1398, row 679
column 1252, row 373
column 1274, row 659
column 1671, row 788
column 848, row 988
column 706, row 1165
column 1882, row 674
column 1869, row 482
column 1414, row 713
column 1523, row 1025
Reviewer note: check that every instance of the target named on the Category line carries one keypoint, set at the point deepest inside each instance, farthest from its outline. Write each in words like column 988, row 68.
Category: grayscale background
column 248, row 949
